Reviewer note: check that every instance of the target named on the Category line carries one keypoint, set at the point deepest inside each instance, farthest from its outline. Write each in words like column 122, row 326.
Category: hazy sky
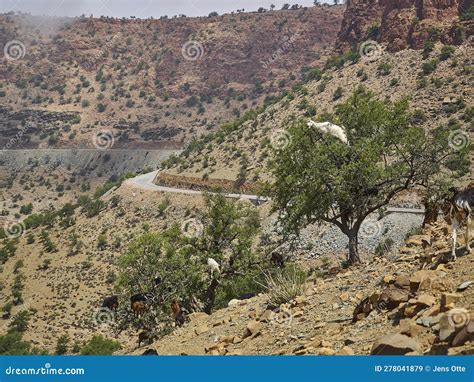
column 138, row 8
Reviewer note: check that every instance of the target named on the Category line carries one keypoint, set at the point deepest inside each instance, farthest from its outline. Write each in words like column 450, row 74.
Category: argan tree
column 320, row 179
column 224, row 232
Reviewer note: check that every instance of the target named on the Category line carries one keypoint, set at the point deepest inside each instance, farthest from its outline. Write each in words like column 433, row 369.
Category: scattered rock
column 395, row 344
column 326, row 351
column 464, row 286
column 197, row 316
column 346, row 350
column 253, row 329
column 447, row 299
column 201, row 329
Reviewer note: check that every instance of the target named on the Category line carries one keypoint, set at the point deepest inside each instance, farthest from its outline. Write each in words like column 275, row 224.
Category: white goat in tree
column 331, row 129
column 213, row 266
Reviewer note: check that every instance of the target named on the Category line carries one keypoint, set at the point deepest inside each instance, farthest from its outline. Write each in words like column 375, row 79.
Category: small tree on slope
column 320, row 179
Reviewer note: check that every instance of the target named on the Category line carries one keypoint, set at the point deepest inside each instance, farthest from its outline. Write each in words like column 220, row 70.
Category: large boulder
column 395, row 344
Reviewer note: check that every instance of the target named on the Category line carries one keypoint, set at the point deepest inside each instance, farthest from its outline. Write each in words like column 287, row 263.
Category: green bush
column 285, row 284
column 468, row 14
column 429, row 67
column 99, row 345
column 446, row 52
column 61, row 345
column 12, row 344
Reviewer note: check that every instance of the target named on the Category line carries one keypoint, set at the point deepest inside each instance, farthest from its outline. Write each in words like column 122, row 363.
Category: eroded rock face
column 404, row 23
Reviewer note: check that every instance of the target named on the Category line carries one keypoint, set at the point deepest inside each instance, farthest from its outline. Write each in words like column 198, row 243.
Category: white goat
column 331, row 129
column 213, row 266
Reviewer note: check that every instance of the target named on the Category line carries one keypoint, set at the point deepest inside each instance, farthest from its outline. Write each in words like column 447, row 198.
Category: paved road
column 145, row 182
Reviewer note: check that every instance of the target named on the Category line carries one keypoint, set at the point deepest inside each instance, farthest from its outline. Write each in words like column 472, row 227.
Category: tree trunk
column 353, row 257
column 210, row 296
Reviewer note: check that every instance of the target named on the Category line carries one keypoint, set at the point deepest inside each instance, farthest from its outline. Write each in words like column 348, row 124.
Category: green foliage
column 99, row 345
column 337, row 93
column 384, row 68
column 283, row 285
column 48, row 245
column 373, row 33
column 226, row 231
column 468, row 14
column 20, row 321
column 12, row 344
column 61, row 345
column 428, row 48
column 26, row 209
column 8, row 250
column 320, row 179
column 384, row 247
column 93, row 208
column 446, row 52
column 429, row 67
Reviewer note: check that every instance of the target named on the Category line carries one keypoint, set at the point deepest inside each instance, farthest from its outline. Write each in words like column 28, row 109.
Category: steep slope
column 427, row 310
column 404, row 23
column 237, row 159
column 151, row 83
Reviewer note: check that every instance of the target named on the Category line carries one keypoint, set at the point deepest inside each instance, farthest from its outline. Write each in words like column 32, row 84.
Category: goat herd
column 457, row 208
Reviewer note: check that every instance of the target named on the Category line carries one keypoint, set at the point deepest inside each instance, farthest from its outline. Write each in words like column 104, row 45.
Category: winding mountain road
column 146, row 182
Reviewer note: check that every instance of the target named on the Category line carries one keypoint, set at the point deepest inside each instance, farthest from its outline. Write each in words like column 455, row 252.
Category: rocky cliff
column 402, row 24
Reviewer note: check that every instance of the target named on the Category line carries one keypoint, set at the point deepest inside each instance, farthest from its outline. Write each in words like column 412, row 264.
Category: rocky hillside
column 437, row 85
column 405, row 24
column 417, row 305
column 151, row 83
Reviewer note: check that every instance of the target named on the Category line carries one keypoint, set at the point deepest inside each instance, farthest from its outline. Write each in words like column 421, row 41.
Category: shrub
column 19, row 323
column 284, row 285
column 99, row 345
column 384, row 68
column 468, row 14
column 384, row 247
column 338, row 93
column 446, row 52
column 12, row 344
column 429, row 67
column 61, row 345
